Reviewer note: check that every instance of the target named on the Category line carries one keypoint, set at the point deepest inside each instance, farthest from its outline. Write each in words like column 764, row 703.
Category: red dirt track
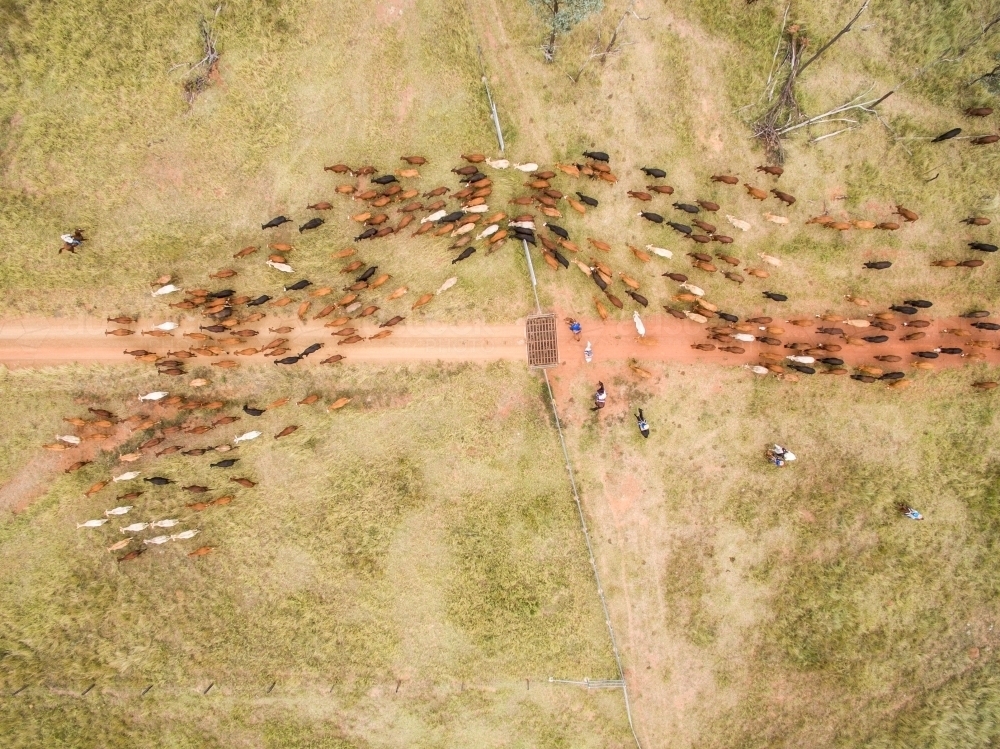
column 55, row 341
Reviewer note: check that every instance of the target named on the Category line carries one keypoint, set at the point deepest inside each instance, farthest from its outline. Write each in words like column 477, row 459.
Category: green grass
column 796, row 603
column 679, row 96
column 412, row 536
column 101, row 137
column 415, row 538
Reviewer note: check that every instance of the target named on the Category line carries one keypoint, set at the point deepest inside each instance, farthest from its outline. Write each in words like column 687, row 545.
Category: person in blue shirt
column 907, row 511
column 574, row 327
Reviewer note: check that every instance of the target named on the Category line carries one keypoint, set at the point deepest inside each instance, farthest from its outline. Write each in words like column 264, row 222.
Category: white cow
column 738, row 223
column 164, row 523
column 433, row 217
column 639, row 327
column 157, row 540
column 118, row 510
column 166, row 326
column 283, row 267
column 69, row 439
column 126, row 476
column 135, row 528
column 801, row 359
column 529, row 167
column 745, row 337
column 168, row 289
column 92, row 523
column 488, row 231
column 659, row 251
column 246, row 437
column 186, row 534
column 154, row 396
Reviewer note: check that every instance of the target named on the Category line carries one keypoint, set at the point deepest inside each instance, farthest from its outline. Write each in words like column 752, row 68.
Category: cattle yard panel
column 542, row 341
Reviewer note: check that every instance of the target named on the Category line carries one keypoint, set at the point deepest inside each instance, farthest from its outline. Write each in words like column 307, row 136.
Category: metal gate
column 543, row 343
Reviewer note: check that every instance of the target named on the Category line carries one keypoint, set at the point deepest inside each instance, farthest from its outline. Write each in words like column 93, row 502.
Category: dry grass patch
column 792, row 607
column 408, row 569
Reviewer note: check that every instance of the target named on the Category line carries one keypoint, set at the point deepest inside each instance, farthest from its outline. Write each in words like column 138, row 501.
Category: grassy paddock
column 795, row 607
column 101, row 137
column 680, row 96
column 414, row 537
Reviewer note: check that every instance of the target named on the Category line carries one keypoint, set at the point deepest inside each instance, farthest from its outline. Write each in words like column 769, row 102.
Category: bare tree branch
column 852, row 104
column 621, row 22
column 769, row 87
column 833, row 134
column 830, row 43
column 610, row 49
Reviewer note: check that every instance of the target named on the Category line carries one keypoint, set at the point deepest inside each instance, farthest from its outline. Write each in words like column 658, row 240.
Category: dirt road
column 670, row 340
column 54, row 341
column 50, row 342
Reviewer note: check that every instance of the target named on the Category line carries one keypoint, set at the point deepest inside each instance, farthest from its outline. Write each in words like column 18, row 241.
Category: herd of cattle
column 470, row 225
column 157, row 436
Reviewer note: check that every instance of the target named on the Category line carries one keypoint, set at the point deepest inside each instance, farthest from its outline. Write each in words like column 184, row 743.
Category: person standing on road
column 574, row 327
column 600, row 397
column 643, row 424
column 588, row 353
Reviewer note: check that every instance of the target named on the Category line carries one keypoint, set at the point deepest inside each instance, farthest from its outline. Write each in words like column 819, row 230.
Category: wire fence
column 620, row 682
column 124, row 689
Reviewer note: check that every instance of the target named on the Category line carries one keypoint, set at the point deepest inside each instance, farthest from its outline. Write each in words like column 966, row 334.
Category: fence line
column 593, row 561
column 605, row 683
column 489, row 97
column 311, row 689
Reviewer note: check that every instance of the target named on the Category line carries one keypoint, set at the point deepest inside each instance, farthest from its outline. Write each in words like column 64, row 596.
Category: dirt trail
column 670, row 340
column 54, row 341
column 50, row 342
